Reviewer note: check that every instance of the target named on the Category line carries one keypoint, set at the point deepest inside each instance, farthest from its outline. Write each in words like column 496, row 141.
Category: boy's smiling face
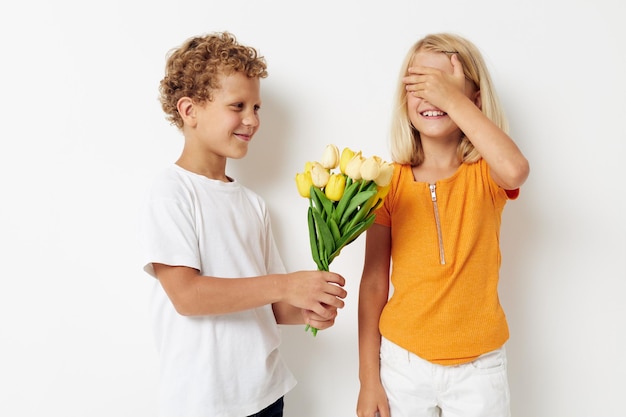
column 224, row 126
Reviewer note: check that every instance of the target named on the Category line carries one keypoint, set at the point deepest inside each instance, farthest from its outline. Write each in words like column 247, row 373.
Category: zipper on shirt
column 433, row 196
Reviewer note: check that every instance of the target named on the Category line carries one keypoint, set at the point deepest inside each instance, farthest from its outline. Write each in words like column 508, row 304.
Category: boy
column 221, row 287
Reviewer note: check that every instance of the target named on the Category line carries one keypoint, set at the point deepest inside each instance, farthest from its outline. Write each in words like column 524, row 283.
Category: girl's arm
column 373, row 295
column 508, row 166
column 193, row 294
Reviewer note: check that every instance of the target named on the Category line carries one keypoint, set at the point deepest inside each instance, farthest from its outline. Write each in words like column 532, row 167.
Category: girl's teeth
column 432, row 113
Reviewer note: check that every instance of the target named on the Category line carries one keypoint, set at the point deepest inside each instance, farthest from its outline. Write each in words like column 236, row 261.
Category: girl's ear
column 187, row 111
column 478, row 100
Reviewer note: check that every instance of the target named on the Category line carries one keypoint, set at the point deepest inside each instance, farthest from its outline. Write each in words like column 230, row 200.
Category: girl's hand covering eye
column 435, row 85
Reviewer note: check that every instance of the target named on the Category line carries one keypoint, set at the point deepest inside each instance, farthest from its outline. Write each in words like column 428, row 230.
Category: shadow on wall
column 260, row 169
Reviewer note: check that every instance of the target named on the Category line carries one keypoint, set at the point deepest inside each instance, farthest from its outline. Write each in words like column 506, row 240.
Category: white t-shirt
column 224, row 365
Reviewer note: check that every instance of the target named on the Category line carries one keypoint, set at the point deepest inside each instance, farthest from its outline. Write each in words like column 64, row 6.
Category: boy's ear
column 478, row 100
column 187, row 111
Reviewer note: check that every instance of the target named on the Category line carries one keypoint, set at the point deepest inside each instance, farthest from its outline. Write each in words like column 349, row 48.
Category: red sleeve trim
column 512, row 194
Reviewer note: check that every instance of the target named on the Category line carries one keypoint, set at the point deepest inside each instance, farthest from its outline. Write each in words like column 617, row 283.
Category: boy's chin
column 238, row 155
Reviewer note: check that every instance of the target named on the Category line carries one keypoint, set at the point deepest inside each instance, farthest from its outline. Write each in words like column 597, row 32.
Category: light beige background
column 82, row 134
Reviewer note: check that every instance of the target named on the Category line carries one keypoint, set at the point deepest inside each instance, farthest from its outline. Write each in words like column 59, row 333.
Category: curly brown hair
column 193, row 69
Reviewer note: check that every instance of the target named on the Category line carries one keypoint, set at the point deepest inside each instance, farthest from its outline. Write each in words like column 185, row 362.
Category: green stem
column 308, row 326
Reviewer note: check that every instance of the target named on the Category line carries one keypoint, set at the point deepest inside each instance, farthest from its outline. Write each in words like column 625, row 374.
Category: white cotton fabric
column 223, row 365
column 418, row 388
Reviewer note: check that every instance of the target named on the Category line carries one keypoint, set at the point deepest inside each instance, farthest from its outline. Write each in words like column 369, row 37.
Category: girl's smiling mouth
column 433, row 113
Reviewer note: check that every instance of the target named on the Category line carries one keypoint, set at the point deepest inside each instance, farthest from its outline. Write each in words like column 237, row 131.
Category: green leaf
column 352, row 234
column 348, row 193
column 363, row 211
column 324, row 201
column 371, row 186
column 334, row 228
column 326, row 241
column 313, row 238
column 315, row 200
column 356, row 201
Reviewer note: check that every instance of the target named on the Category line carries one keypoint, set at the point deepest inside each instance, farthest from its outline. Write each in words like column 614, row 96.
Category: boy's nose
column 251, row 120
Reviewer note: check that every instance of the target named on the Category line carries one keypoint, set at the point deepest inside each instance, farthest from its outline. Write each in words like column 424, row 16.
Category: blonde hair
column 193, row 69
column 406, row 146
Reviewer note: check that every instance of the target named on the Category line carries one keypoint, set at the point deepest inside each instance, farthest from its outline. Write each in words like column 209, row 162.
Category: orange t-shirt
column 445, row 264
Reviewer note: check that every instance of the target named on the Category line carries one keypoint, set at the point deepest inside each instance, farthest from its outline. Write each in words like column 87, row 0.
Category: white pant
column 418, row 388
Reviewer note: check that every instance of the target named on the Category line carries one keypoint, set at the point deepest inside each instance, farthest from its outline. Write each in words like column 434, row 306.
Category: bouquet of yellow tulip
column 341, row 204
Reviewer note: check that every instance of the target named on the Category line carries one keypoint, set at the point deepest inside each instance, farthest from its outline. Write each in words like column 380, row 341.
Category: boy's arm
column 193, row 294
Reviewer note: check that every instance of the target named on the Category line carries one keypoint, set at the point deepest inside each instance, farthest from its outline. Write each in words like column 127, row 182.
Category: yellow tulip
column 383, row 191
column 308, row 166
column 370, row 168
column 319, row 175
column 384, row 176
column 335, row 187
column 353, row 167
column 330, row 157
column 346, row 155
column 304, row 182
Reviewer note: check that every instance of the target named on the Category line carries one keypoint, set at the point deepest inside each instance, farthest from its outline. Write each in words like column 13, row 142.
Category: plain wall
column 82, row 134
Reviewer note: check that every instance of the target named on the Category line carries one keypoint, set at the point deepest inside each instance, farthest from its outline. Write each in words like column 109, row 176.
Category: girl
column 436, row 347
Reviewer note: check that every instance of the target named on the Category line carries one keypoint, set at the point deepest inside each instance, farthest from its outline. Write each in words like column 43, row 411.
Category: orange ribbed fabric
column 445, row 313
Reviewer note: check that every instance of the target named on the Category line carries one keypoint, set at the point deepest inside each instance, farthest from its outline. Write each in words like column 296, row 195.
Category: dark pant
column 274, row 410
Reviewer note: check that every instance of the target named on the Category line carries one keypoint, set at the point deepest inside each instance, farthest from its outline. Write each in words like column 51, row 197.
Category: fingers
column 333, row 295
column 419, row 80
column 370, row 413
column 372, row 401
column 382, row 411
column 328, row 300
column 327, row 309
column 417, row 75
column 423, row 81
column 336, row 291
column 333, row 291
column 457, row 67
column 413, row 71
column 416, row 79
column 313, row 319
column 320, row 292
column 336, row 278
column 333, row 300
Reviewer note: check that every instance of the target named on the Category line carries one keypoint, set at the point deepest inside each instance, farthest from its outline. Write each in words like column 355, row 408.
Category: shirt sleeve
column 512, row 194
column 273, row 260
column 496, row 189
column 168, row 233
